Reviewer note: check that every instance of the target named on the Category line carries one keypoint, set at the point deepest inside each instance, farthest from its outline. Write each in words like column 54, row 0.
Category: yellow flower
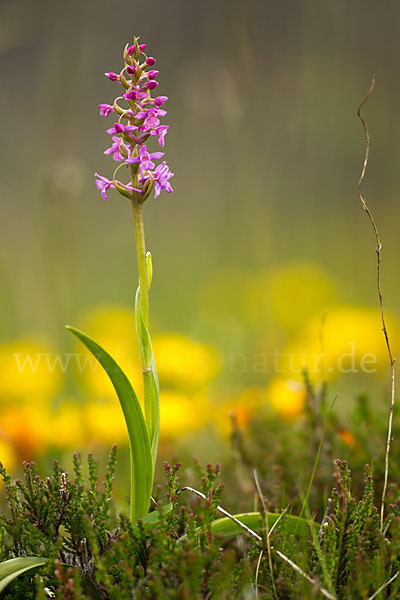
column 286, row 397
column 348, row 340
column 29, row 372
column 28, row 428
column 289, row 294
column 67, row 428
column 181, row 413
column 105, row 422
column 184, row 363
column 8, row 456
column 242, row 407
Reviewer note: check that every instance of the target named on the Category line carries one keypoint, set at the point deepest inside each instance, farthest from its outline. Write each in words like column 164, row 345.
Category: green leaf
column 151, row 386
column 149, row 267
column 141, row 459
column 152, row 519
column 11, row 569
column 229, row 528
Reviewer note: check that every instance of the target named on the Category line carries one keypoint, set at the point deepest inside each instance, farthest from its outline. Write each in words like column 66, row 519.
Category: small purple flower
column 160, row 100
column 161, row 177
column 103, row 184
column 150, row 61
column 131, row 70
column 145, row 158
column 132, row 95
column 152, row 84
column 115, row 149
column 160, row 132
column 121, row 128
column 105, row 109
column 131, row 50
column 112, row 76
column 151, row 119
column 152, row 74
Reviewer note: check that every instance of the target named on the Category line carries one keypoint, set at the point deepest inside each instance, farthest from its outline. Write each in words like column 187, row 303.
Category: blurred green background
column 264, row 234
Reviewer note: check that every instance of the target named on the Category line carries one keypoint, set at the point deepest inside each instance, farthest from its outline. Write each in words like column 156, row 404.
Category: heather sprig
column 139, row 116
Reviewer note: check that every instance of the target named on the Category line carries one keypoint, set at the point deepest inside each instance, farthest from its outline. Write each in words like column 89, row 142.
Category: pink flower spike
column 150, row 61
column 112, row 76
column 151, row 85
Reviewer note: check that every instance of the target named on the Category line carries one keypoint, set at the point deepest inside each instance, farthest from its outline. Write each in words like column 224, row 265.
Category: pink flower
column 103, row 184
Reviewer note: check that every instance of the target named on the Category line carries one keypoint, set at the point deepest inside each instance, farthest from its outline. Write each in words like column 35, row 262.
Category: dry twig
column 378, row 255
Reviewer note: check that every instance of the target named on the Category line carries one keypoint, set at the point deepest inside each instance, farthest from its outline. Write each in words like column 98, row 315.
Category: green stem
column 137, row 207
column 141, row 258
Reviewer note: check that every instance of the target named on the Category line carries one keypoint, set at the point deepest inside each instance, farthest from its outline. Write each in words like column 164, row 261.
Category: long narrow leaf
column 11, row 569
column 141, row 459
column 151, row 389
column 229, row 528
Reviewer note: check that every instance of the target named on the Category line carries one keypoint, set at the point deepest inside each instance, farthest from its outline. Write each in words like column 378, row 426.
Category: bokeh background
column 262, row 248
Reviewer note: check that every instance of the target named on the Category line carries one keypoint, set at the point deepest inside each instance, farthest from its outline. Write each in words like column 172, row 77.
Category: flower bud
column 152, row 74
column 142, row 47
column 150, row 61
column 131, row 50
column 112, row 76
column 160, row 100
column 151, row 85
column 131, row 70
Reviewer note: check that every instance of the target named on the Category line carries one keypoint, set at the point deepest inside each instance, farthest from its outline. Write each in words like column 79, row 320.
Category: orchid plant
column 138, row 122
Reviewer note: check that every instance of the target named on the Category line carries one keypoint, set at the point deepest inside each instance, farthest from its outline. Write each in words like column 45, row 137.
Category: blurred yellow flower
column 184, row 363
column 113, row 327
column 286, row 397
column 348, row 340
column 242, row 407
column 105, row 423
column 29, row 372
column 289, row 294
column 8, row 455
column 67, row 429
column 28, row 427
column 182, row 413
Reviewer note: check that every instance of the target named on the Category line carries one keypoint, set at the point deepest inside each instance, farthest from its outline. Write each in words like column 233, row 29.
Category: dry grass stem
column 384, row 329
